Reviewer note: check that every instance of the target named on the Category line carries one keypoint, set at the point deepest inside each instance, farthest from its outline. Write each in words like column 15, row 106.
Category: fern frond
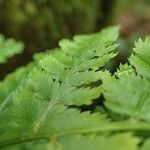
column 8, row 48
column 125, row 95
column 129, row 93
column 45, row 104
column 141, row 59
column 125, row 70
column 39, row 108
column 12, row 82
column 59, row 121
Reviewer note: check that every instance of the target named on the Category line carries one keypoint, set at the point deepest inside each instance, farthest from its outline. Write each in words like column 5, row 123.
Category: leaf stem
column 112, row 127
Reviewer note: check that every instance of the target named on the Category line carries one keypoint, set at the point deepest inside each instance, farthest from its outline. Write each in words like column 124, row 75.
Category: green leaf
column 141, row 59
column 53, row 66
column 11, row 83
column 78, row 96
column 8, row 48
column 125, row 70
column 40, row 107
column 99, row 142
column 72, row 90
column 146, row 145
column 88, row 142
column 44, row 87
column 26, row 120
column 129, row 95
column 82, row 43
column 85, row 77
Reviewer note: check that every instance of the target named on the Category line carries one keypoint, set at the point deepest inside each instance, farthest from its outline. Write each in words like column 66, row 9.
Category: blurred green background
column 40, row 24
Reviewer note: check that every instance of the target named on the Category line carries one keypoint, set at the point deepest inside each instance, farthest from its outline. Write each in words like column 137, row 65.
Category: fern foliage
column 141, row 59
column 44, row 110
column 8, row 48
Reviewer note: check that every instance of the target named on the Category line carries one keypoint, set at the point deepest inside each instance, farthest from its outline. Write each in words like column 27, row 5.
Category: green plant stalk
column 112, row 127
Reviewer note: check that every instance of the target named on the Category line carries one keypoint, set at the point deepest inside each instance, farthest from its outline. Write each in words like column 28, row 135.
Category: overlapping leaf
column 125, row 95
column 128, row 92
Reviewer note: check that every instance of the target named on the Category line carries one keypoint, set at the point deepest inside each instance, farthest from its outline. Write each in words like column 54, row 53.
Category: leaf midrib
column 111, row 127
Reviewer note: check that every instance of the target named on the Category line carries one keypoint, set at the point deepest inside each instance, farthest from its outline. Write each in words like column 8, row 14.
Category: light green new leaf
column 125, row 70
